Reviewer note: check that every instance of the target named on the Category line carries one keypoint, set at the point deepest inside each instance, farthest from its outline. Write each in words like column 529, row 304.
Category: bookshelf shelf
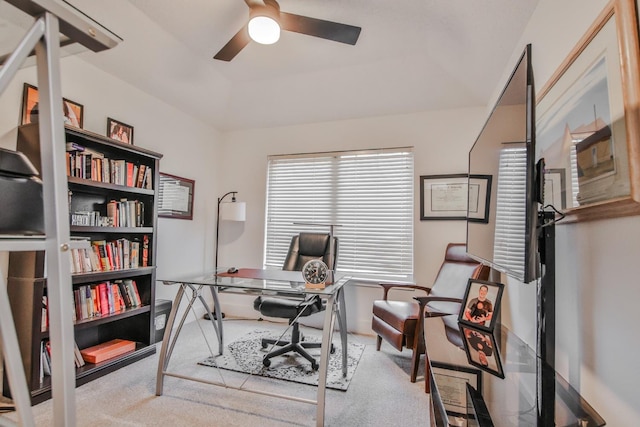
column 97, row 186
column 111, row 230
column 89, row 200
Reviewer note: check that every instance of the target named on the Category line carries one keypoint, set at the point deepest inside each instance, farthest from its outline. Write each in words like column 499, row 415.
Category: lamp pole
column 215, row 271
column 220, row 199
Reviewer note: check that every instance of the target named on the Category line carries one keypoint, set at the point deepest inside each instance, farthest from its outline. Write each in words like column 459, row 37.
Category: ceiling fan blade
column 335, row 31
column 234, row 46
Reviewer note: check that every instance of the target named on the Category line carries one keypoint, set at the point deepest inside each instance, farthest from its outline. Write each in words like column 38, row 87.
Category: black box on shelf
column 163, row 308
column 20, row 195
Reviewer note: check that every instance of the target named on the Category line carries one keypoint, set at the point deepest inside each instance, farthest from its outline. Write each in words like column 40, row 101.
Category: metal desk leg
column 218, row 319
column 165, row 355
column 327, row 331
column 342, row 323
column 14, row 368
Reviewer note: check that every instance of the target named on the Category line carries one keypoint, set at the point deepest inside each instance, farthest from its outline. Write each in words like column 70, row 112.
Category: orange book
column 117, row 306
column 107, row 350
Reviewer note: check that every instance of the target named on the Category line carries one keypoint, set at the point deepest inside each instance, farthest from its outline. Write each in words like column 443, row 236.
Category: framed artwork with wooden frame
column 587, row 118
column 119, row 131
column 175, row 197
column 72, row 112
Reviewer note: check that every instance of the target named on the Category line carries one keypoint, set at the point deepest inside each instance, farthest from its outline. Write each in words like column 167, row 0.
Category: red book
column 112, row 265
column 130, row 177
column 104, row 299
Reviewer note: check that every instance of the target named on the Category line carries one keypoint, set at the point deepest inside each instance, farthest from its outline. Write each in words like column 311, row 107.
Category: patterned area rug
column 245, row 355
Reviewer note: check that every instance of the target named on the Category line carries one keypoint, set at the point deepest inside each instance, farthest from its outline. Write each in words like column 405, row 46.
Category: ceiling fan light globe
column 264, row 30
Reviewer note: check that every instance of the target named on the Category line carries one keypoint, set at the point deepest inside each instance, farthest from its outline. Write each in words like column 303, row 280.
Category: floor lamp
column 227, row 211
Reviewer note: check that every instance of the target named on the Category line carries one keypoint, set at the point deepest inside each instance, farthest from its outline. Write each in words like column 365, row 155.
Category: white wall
column 597, row 269
column 189, row 148
column 441, row 142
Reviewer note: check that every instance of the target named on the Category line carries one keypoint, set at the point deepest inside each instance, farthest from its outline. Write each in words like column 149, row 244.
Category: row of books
column 45, row 359
column 105, row 298
column 85, row 163
column 99, row 299
column 120, row 254
column 122, row 213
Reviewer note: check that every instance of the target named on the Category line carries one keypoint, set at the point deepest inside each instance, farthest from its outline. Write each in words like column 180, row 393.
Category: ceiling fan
column 266, row 19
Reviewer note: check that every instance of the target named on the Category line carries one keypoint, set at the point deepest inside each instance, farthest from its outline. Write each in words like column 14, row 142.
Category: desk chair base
column 296, row 344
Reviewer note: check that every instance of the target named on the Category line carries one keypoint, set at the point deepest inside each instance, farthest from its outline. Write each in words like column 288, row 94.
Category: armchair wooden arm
column 389, row 286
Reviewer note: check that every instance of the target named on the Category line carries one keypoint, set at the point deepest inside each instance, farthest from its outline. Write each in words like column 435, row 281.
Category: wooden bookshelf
column 26, row 283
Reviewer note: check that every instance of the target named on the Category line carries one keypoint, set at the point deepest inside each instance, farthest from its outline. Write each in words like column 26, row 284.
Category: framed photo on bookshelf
column 119, row 131
column 175, row 197
column 72, row 111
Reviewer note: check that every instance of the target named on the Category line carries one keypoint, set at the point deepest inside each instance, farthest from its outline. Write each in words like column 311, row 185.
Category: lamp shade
column 233, row 211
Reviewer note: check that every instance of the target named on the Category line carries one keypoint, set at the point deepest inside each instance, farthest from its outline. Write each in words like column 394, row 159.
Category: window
column 367, row 195
column 509, row 248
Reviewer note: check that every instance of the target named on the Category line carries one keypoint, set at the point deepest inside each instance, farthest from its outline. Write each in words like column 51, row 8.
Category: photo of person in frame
column 119, row 131
column 479, row 309
column 481, row 304
column 481, row 350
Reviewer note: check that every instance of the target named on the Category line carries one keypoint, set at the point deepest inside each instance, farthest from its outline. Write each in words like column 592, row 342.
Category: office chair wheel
column 314, row 366
column 266, row 362
column 264, row 344
column 332, row 350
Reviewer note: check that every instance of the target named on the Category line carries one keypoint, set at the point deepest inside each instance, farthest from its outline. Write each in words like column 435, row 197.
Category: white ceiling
column 411, row 56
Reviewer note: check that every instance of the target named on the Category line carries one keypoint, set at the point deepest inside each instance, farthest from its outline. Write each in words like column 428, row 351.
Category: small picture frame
column 482, row 350
column 175, row 197
column 72, row 111
column 119, row 131
column 481, row 303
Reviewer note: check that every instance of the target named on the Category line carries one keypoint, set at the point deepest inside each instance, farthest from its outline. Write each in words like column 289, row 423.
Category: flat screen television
column 505, row 150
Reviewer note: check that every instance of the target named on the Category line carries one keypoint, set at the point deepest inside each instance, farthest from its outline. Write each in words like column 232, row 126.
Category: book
column 140, row 179
column 125, row 295
column 79, row 361
column 104, row 299
column 107, row 350
column 102, row 251
column 145, row 251
column 73, row 146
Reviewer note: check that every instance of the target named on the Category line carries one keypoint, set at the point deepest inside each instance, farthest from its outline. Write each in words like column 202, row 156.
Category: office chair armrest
column 388, row 286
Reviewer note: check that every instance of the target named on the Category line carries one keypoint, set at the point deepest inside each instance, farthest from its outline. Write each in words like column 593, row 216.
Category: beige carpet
column 380, row 393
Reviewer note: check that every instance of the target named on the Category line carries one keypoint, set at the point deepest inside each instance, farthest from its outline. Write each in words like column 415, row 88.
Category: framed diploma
column 176, row 197
column 455, row 197
column 452, row 383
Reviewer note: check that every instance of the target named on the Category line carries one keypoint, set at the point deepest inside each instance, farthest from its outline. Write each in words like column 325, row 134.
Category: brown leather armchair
column 398, row 322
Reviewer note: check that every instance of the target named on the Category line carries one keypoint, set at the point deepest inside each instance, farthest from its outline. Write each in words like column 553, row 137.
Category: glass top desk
column 254, row 282
column 515, row 388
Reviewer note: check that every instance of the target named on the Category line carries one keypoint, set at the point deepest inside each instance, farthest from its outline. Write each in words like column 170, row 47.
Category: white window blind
column 509, row 248
column 367, row 195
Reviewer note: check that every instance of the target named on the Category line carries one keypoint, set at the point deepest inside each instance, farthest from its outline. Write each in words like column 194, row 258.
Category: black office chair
column 303, row 248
